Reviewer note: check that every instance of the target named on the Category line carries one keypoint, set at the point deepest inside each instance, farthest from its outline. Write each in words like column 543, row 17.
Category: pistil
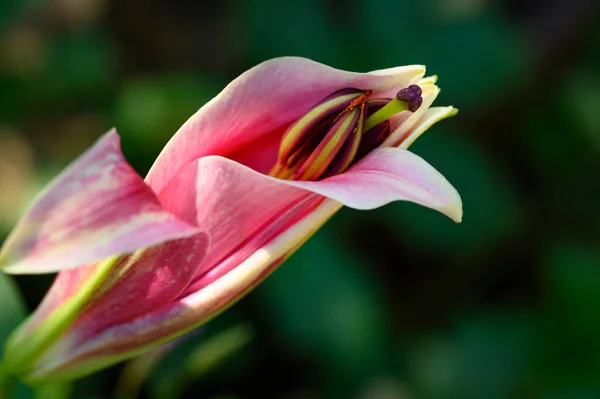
column 407, row 99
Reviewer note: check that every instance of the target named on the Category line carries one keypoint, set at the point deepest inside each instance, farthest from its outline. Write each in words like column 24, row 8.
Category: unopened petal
column 96, row 208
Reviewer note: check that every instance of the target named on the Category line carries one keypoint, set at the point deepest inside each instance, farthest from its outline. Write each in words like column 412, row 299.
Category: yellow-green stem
column 20, row 356
column 390, row 109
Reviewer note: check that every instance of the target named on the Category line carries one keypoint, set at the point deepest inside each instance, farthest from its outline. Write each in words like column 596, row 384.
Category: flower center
column 338, row 131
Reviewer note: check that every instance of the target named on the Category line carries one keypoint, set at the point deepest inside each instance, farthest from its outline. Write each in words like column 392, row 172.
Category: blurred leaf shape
column 180, row 368
column 570, row 356
column 324, row 305
column 484, row 355
column 581, row 99
column 216, row 349
column 79, row 67
column 150, row 109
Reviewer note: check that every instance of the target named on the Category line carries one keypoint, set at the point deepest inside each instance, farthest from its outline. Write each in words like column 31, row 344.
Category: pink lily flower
column 242, row 184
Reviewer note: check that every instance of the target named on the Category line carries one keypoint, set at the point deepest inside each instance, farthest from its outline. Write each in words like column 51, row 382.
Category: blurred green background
column 395, row 303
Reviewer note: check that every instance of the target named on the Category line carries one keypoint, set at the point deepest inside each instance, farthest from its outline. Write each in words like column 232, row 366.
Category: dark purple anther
column 373, row 139
column 412, row 96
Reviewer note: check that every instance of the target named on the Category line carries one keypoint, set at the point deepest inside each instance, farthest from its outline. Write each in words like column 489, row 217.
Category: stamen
column 306, row 127
column 338, row 131
column 373, row 139
column 331, row 144
column 411, row 95
column 407, row 99
column 349, row 150
column 312, row 144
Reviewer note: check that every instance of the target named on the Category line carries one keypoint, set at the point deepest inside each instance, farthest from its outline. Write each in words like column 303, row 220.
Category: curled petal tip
column 454, row 210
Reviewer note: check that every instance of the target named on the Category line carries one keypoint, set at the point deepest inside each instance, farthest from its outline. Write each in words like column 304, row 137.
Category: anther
column 412, row 96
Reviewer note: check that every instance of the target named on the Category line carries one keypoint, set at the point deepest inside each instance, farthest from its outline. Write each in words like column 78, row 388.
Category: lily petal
column 230, row 201
column 263, row 100
column 386, row 175
column 246, row 200
column 67, row 225
column 144, row 281
column 432, row 116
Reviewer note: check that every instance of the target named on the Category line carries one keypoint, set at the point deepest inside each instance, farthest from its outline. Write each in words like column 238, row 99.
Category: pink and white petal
column 259, row 239
column 229, row 201
column 96, row 208
column 430, row 117
column 262, row 100
column 386, row 175
column 142, row 282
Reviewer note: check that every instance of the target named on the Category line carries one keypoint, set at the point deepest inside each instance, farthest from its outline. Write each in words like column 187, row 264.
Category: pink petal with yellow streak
column 227, row 200
column 143, row 282
column 71, row 357
column 96, row 208
column 258, row 105
column 139, row 283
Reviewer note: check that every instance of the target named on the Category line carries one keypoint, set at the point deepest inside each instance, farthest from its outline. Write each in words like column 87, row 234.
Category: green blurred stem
column 20, row 356
column 59, row 390
column 7, row 382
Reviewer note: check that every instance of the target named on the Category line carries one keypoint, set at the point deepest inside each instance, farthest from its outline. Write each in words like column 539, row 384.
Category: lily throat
column 339, row 131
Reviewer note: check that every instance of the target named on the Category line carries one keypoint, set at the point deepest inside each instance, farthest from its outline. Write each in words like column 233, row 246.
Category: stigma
column 339, row 131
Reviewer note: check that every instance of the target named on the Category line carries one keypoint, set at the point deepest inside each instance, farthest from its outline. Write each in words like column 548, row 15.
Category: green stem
column 58, row 390
column 390, row 109
column 24, row 349
column 7, row 382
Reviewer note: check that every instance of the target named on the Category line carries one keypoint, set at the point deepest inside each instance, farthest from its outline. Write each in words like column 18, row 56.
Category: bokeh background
column 395, row 303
